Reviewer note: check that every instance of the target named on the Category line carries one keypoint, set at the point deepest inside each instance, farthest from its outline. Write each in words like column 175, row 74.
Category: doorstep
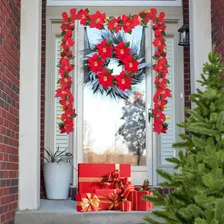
column 64, row 212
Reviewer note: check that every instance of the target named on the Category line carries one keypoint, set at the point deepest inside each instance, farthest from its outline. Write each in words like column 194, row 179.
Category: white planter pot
column 57, row 179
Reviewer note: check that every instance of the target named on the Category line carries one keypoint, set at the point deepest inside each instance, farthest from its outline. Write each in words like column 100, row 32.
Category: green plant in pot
column 57, row 173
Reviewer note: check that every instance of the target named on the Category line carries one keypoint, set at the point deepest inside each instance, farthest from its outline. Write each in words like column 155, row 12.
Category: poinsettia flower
column 67, row 103
column 66, row 54
column 105, row 79
column 83, row 16
column 65, row 17
column 144, row 16
column 66, row 66
column 67, row 26
column 159, row 27
column 73, row 14
column 97, row 20
column 131, row 64
column 163, row 93
column 115, row 24
column 152, row 14
column 64, row 46
column 161, row 17
column 161, row 47
column 129, row 23
column 66, row 82
column 160, row 81
column 63, row 92
column 123, row 81
column 96, row 63
column 105, row 50
column 122, row 51
column 160, row 104
column 161, row 66
column 68, row 115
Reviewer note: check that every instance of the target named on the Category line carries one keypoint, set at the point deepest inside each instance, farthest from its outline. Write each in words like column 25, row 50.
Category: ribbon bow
column 114, row 201
column 90, row 204
column 113, row 179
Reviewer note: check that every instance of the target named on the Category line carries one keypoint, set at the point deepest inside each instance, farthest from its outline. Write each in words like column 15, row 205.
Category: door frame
column 173, row 14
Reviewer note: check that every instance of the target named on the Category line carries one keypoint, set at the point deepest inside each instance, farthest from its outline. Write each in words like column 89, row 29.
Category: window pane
column 114, row 129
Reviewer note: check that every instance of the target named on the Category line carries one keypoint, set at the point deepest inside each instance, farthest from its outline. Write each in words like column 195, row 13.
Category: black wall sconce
column 184, row 35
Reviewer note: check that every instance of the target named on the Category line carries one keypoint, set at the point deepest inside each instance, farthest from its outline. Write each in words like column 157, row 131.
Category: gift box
column 91, row 176
column 144, row 205
column 87, row 202
column 125, row 205
column 109, row 198
column 138, row 203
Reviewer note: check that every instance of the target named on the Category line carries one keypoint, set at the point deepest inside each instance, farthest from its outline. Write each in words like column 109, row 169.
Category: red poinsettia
column 151, row 14
column 64, row 17
column 66, row 82
column 65, row 66
column 123, row 81
column 105, row 79
column 115, row 24
column 131, row 64
column 160, row 81
column 96, row 63
column 68, row 115
column 97, row 20
column 122, row 51
column 161, row 66
column 83, row 16
column 63, row 93
column 67, row 103
column 73, row 15
column 161, row 17
column 67, row 26
column 130, row 22
column 105, row 49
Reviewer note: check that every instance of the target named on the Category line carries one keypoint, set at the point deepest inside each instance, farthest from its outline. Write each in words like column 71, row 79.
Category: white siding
column 61, row 140
column 166, row 140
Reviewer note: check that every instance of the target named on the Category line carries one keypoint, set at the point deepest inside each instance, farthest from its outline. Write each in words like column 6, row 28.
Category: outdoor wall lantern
column 184, row 35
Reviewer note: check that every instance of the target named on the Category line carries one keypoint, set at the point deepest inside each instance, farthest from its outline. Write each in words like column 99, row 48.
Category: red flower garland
column 115, row 24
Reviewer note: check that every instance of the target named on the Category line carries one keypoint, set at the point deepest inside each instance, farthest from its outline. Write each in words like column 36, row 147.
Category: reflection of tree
column 88, row 136
column 133, row 128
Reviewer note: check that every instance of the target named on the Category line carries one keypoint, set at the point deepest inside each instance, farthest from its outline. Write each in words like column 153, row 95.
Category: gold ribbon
column 95, row 179
column 88, row 204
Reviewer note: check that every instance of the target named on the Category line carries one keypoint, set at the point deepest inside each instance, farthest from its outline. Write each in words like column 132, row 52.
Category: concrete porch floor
column 64, row 212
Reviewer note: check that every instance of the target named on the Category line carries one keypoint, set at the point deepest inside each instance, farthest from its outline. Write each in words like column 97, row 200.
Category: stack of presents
column 109, row 187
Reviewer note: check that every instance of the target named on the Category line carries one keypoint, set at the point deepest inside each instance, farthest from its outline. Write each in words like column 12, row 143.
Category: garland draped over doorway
column 130, row 63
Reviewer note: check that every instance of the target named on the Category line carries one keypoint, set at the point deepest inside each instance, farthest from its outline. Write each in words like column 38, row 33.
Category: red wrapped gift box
column 87, row 202
column 109, row 198
column 144, row 205
column 125, row 205
column 138, row 203
column 90, row 175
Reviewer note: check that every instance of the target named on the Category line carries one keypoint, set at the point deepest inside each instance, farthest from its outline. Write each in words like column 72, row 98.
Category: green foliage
column 198, row 196
column 58, row 156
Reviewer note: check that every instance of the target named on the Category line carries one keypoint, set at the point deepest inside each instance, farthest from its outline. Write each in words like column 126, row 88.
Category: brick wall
column 217, row 13
column 9, row 108
column 43, row 51
column 187, row 83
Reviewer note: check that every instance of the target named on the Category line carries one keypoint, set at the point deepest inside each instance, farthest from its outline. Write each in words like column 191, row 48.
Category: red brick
column 9, row 110
column 217, row 20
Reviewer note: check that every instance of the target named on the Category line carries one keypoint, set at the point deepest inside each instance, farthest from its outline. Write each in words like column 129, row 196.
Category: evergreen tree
column 198, row 181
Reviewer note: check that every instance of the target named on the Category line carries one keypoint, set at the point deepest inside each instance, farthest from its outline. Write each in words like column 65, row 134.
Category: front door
column 109, row 129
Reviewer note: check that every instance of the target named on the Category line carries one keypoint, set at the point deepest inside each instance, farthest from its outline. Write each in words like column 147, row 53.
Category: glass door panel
column 114, row 129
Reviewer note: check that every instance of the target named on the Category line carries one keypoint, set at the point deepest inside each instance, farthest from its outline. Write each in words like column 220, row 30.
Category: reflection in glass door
column 114, row 129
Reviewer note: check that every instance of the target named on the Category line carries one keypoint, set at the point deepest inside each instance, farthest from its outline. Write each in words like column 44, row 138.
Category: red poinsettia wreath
column 106, row 50
column 115, row 24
